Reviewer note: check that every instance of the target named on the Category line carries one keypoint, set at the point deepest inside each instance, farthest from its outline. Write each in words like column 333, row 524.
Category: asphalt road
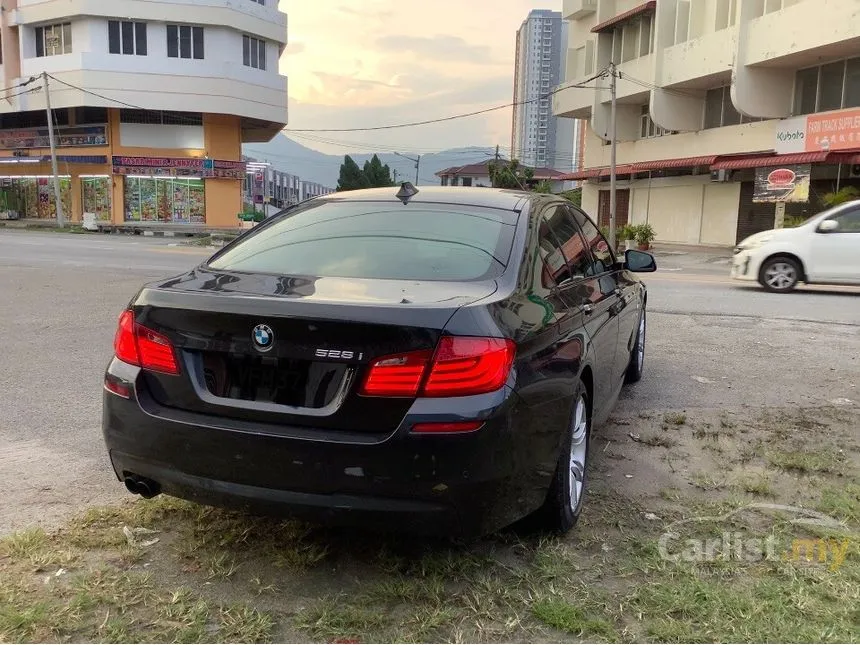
column 711, row 344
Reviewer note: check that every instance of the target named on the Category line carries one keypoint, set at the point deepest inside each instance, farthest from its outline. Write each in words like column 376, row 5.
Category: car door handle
column 587, row 309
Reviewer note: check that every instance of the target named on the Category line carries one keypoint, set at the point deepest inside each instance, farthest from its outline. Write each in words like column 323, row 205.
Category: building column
column 117, row 202
column 77, row 198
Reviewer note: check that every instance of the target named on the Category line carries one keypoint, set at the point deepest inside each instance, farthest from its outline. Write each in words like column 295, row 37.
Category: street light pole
column 613, row 126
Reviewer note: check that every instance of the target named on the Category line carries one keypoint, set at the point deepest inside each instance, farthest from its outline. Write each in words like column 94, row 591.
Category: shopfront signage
column 787, row 184
column 828, row 131
column 173, row 167
column 65, row 137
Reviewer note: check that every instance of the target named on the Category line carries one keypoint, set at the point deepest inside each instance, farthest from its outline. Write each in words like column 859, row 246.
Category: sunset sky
column 380, row 62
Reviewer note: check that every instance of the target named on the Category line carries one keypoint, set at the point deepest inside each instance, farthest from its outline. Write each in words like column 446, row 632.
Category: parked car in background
column 429, row 360
column 823, row 250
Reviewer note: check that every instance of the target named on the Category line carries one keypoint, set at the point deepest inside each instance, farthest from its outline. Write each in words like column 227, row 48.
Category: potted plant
column 628, row 234
column 644, row 236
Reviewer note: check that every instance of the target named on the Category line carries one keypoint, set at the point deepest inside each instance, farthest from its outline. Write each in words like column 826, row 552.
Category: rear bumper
column 453, row 485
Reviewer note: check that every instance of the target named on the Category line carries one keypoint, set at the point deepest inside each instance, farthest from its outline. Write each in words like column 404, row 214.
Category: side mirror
column 639, row 261
column 828, row 226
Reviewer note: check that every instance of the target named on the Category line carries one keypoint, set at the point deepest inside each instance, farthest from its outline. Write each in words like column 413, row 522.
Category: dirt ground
column 698, row 477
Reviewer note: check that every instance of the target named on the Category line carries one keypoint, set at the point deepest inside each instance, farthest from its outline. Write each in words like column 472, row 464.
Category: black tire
column 557, row 513
column 780, row 274
column 637, row 355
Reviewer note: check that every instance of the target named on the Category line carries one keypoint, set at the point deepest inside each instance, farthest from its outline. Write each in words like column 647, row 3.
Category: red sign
column 781, row 177
column 833, row 131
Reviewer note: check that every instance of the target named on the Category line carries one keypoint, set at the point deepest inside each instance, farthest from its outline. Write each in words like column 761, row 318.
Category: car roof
column 500, row 198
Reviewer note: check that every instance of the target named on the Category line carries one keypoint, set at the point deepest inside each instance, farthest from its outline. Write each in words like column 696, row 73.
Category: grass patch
column 659, row 440
column 807, row 461
column 759, row 485
column 675, row 418
column 336, row 619
column 565, row 617
column 842, row 503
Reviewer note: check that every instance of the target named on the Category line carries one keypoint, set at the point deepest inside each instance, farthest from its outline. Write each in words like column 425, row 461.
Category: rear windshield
column 378, row 240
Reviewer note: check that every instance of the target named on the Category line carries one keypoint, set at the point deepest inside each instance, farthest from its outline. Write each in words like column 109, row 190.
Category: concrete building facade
column 711, row 94
column 538, row 138
column 152, row 102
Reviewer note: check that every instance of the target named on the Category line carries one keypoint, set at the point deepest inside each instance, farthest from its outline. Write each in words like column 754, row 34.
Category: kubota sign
column 826, row 131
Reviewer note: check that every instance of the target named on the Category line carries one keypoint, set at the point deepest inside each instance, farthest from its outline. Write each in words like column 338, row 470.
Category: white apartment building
column 152, row 100
column 311, row 189
column 713, row 94
column 538, row 138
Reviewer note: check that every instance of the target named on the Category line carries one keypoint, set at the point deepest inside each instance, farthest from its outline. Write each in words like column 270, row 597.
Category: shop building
column 713, row 95
column 151, row 105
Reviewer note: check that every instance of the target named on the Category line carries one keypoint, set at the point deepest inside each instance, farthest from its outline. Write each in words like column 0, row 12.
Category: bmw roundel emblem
column 264, row 337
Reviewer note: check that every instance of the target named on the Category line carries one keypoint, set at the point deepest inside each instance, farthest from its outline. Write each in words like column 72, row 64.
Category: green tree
column 510, row 174
column 351, row 176
column 574, row 196
column 378, row 175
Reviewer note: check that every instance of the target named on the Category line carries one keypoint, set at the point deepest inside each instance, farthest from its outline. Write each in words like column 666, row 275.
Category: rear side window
column 378, row 240
column 603, row 257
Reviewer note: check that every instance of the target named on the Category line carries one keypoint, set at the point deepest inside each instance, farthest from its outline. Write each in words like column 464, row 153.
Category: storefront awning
column 848, row 158
column 635, row 11
column 766, row 162
column 594, row 173
column 683, row 162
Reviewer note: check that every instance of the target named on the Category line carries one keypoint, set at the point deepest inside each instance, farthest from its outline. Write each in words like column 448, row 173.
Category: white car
column 823, row 250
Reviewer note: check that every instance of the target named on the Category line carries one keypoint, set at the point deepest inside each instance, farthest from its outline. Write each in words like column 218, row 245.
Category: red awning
column 684, row 162
column 766, row 162
column 850, row 157
column 635, row 11
column 594, row 173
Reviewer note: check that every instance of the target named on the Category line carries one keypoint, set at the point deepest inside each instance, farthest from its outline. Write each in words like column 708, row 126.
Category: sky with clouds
column 378, row 62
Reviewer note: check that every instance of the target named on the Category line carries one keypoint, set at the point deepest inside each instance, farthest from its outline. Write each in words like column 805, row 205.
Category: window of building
column 127, row 37
column 727, row 11
column 160, row 117
column 467, row 181
column 52, row 40
column 648, row 129
column 184, row 41
column 253, row 52
column 164, row 199
column 827, row 87
column 633, row 39
column 720, row 111
column 262, row 2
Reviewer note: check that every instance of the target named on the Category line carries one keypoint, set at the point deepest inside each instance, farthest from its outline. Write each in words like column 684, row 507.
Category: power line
column 560, row 88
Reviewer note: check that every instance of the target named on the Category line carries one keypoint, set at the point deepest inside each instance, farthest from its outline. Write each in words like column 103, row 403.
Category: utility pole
column 613, row 127
column 395, row 175
column 497, row 153
column 417, row 163
column 61, row 220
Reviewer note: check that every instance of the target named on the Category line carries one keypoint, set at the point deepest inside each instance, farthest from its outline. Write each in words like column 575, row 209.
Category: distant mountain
column 294, row 158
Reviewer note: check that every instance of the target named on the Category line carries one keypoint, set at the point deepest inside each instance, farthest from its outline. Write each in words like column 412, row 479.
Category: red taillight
column 124, row 345
column 445, row 427
column 464, row 366
column 460, row 366
column 396, row 375
column 138, row 345
column 156, row 351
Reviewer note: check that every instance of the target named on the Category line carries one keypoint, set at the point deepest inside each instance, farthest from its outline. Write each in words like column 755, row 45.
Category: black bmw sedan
column 432, row 360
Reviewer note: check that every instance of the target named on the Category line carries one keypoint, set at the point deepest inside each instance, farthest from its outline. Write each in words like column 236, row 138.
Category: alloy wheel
column 578, row 449
column 780, row 275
